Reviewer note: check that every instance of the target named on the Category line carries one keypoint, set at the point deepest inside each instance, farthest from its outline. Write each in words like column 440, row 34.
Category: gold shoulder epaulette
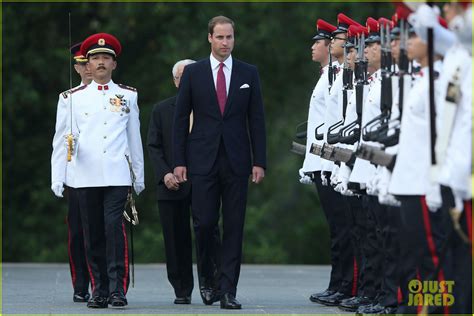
column 127, row 87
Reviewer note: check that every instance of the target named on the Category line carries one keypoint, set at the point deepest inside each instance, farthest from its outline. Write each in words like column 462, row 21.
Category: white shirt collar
column 215, row 63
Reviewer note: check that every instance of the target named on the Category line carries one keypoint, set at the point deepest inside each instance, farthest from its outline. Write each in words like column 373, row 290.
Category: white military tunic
column 108, row 128
column 363, row 170
column 411, row 172
column 317, row 109
column 332, row 114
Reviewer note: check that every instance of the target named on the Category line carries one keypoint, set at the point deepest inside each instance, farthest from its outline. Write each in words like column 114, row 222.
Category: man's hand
column 180, row 173
column 258, row 173
column 58, row 189
column 171, row 182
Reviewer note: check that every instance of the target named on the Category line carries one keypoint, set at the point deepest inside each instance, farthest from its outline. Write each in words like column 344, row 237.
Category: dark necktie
column 221, row 88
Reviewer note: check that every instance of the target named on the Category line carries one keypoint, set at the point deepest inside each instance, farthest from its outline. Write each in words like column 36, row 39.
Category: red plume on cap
column 384, row 22
column 353, row 31
column 395, row 18
column 344, row 19
column 443, row 22
column 325, row 26
column 357, row 30
column 402, row 11
column 372, row 25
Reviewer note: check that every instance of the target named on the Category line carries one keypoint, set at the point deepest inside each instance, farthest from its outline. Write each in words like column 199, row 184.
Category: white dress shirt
column 227, row 71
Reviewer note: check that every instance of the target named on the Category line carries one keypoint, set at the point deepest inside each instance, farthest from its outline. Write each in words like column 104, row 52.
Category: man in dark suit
column 174, row 200
column 225, row 146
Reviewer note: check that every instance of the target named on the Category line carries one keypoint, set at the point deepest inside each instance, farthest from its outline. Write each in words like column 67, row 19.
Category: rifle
column 351, row 133
column 378, row 127
column 298, row 148
column 333, row 153
column 376, row 156
column 347, row 78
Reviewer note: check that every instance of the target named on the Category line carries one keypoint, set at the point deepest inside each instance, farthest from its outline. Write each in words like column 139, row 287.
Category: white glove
column 334, row 175
column 138, row 187
column 304, row 178
column 324, row 180
column 58, row 189
column 373, row 184
column 433, row 197
column 458, row 201
column 388, row 199
column 343, row 180
column 425, row 15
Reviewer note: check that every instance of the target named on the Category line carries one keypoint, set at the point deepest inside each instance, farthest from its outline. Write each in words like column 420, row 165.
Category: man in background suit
column 225, row 146
column 174, row 201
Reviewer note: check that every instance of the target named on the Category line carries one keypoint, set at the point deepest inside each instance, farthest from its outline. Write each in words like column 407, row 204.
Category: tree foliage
column 284, row 223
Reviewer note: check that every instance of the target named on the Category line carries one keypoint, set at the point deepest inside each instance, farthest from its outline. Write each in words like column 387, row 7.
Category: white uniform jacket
column 363, row 170
column 332, row 113
column 108, row 128
column 317, row 109
column 410, row 175
column 455, row 172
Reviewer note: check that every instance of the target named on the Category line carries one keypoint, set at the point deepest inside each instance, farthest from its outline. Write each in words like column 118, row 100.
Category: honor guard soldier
column 419, row 234
column 311, row 169
column 338, row 205
column 59, row 168
column 451, row 192
column 107, row 160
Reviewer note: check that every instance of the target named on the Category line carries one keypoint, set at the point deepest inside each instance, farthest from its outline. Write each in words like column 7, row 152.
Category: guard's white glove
column 58, row 189
column 425, row 15
column 433, row 197
column 388, row 199
column 385, row 198
column 343, row 180
column 373, row 184
column 334, row 175
column 458, row 200
column 324, row 180
column 304, row 178
column 138, row 187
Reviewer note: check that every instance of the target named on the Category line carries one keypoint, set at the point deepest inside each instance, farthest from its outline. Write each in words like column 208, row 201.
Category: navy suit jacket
column 241, row 128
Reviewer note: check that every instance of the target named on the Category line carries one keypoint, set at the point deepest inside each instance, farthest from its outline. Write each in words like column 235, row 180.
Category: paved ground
column 263, row 289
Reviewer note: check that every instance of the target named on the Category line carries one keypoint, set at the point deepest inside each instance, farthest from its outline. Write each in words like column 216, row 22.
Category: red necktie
column 221, row 88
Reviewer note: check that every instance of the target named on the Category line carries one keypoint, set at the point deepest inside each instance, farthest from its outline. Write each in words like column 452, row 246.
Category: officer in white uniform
column 105, row 118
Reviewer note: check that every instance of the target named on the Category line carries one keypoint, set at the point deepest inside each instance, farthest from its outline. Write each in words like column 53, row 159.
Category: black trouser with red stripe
column 75, row 244
column 421, row 235
column 391, row 247
column 372, row 248
column 357, row 220
column 105, row 238
column 336, row 208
